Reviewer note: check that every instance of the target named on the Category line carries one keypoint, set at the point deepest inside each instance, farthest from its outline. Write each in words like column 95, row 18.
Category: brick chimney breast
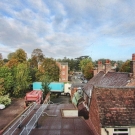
column 133, row 57
column 107, row 65
column 100, row 66
column 133, row 65
column 107, row 61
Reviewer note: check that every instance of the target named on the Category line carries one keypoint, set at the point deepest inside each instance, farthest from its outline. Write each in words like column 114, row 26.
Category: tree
column 32, row 74
column 1, row 63
column 38, row 55
column 49, row 67
column 84, row 62
column 46, row 80
column 20, row 55
column 5, row 60
column 126, row 67
column 6, row 76
column 12, row 63
column 119, row 65
column 1, row 56
column 11, row 55
column 34, row 62
column 21, row 79
column 2, row 89
column 88, row 70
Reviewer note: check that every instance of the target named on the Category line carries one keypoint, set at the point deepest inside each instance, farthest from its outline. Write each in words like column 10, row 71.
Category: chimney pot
column 107, row 61
column 99, row 62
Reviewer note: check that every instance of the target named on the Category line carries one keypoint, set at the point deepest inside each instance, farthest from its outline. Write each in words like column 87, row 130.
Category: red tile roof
column 116, row 106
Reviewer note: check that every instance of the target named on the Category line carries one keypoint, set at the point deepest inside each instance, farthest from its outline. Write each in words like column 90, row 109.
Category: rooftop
column 61, row 125
column 115, row 79
column 116, row 106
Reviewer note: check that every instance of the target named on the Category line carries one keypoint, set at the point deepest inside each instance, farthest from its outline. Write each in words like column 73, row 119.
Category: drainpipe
column 107, row 132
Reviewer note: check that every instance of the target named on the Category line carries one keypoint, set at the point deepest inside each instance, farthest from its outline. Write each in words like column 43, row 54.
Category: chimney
column 133, row 65
column 107, row 66
column 100, row 66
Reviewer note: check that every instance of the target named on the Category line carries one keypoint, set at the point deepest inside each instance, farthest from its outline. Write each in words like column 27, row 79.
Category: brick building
column 63, row 71
column 109, row 99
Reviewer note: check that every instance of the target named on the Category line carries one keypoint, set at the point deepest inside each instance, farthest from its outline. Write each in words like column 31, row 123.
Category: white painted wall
column 111, row 131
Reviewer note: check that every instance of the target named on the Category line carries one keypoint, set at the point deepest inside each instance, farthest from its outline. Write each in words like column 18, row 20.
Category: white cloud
column 66, row 27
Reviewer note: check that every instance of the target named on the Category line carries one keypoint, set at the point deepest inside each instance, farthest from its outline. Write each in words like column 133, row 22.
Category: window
column 121, row 131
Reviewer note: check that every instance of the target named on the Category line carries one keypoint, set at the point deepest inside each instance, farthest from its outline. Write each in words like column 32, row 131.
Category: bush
column 5, row 100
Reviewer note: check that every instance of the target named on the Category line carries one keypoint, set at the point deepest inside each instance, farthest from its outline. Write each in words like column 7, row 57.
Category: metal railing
column 27, row 129
column 18, row 122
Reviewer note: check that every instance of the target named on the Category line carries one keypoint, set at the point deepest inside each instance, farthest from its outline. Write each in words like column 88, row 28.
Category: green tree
column 88, row 71
column 84, row 62
column 46, row 80
column 49, row 67
column 2, row 89
column 34, row 62
column 32, row 74
column 20, row 55
column 22, row 79
column 126, row 67
column 6, row 76
column 38, row 54
column 11, row 55
column 1, row 56
column 5, row 60
column 1, row 63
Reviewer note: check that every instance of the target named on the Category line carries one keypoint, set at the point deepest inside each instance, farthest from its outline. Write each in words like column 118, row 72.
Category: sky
column 69, row 28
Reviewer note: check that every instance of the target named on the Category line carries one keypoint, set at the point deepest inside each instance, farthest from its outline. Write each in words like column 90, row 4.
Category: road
column 61, row 99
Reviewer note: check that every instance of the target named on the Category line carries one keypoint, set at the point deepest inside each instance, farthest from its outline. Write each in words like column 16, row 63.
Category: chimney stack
column 133, row 65
column 107, row 65
column 100, row 66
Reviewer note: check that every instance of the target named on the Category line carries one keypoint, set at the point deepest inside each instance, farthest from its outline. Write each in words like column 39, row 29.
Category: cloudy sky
column 69, row 28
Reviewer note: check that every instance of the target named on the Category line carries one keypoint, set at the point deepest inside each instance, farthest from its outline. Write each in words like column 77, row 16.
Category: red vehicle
column 34, row 96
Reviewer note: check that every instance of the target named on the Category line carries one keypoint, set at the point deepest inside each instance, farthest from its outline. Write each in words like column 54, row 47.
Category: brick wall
column 100, row 66
column 94, row 114
column 107, row 66
column 63, row 71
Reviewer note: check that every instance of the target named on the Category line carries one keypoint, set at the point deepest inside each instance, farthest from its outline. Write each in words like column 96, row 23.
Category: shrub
column 5, row 100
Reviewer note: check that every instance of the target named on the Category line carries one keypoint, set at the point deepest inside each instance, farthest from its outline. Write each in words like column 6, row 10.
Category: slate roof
column 116, row 106
column 115, row 79
column 76, row 85
column 109, row 79
column 94, row 81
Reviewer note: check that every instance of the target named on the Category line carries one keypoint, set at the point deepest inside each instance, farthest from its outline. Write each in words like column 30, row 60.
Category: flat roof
column 50, row 125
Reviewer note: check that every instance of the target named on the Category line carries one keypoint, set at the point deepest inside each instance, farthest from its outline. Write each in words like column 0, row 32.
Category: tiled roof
column 94, row 81
column 116, row 106
column 114, row 79
column 76, row 85
column 108, row 79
